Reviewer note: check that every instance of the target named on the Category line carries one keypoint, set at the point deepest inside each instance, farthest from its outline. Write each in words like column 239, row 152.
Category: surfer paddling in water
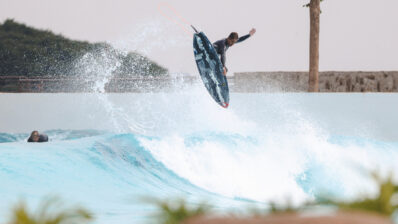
column 222, row 45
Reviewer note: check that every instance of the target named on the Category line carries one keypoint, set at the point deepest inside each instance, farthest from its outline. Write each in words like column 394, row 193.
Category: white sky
column 355, row 34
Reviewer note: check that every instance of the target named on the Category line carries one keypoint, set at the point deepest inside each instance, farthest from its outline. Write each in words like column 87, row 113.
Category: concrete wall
column 332, row 81
column 240, row 82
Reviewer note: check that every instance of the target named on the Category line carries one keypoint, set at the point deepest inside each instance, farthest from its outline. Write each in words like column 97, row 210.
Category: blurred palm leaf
column 177, row 211
column 50, row 211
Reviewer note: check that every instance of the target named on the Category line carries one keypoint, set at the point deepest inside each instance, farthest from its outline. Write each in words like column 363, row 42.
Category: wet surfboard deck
column 210, row 69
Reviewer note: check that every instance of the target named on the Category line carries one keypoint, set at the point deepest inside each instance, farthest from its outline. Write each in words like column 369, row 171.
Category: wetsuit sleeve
column 243, row 38
column 223, row 58
column 220, row 49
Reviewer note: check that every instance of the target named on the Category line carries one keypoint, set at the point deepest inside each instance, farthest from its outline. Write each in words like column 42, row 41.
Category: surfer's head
column 232, row 38
column 34, row 136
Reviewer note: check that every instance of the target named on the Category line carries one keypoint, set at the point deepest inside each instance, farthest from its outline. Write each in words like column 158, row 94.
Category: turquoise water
column 107, row 151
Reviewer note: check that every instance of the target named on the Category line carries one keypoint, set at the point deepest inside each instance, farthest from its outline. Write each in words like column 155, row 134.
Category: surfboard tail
column 225, row 105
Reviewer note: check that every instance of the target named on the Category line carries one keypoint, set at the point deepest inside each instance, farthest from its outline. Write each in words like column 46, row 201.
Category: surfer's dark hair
column 233, row 35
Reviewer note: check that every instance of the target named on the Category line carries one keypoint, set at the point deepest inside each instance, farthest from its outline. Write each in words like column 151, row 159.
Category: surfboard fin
column 194, row 29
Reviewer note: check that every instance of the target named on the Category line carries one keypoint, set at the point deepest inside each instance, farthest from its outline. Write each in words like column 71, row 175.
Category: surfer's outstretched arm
column 243, row 38
column 251, row 33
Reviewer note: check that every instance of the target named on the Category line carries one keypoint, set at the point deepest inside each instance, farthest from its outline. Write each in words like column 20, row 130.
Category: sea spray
column 108, row 61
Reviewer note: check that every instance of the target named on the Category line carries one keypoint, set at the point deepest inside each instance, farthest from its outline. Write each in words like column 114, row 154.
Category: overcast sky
column 355, row 34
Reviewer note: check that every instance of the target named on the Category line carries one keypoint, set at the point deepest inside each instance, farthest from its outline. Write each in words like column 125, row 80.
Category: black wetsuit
column 42, row 138
column 221, row 47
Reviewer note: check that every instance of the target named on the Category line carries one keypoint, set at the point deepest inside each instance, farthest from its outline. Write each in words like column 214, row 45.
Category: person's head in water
column 232, row 38
column 34, row 136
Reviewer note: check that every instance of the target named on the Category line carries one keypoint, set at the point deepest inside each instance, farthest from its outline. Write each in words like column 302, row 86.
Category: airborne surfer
column 211, row 67
column 222, row 45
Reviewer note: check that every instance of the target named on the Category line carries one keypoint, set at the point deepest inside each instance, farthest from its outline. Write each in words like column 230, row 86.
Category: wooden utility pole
column 315, row 11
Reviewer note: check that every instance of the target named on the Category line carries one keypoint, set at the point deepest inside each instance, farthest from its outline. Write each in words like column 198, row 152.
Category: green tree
column 25, row 51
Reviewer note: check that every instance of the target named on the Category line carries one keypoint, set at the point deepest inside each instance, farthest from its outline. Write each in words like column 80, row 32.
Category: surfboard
column 210, row 69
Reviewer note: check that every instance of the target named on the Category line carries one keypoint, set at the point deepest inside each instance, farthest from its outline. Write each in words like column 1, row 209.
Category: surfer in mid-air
column 222, row 45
